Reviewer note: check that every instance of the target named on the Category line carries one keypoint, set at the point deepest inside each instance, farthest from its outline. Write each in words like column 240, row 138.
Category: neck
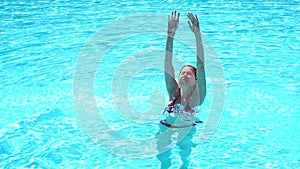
column 187, row 91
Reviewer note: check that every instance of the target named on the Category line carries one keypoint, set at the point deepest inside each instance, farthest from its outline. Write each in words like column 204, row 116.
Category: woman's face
column 187, row 76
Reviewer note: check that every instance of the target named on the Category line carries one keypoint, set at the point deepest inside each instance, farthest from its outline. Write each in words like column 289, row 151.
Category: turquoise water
column 257, row 44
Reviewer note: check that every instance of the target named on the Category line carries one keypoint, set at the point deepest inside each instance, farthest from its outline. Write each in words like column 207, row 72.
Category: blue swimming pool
column 49, row 93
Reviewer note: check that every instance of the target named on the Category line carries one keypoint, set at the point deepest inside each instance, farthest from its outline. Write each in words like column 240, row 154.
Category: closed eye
column 188, row 73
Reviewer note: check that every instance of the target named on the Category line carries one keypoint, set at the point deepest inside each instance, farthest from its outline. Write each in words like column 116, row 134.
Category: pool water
column 256, row 43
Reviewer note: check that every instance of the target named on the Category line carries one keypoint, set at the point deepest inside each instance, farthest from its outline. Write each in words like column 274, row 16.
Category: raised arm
column 170, row 81
column 195, row 28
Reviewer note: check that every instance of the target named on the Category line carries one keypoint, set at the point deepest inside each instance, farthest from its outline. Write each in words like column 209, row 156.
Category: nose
column 184, row 77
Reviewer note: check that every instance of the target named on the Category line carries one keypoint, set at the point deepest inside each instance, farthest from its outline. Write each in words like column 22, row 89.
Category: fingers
column 192, row 17
column 176, row 15
column 173, row 16
column 189, row 16
column 190, row 24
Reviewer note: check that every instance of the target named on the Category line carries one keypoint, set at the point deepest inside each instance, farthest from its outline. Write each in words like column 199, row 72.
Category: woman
column 186, row 96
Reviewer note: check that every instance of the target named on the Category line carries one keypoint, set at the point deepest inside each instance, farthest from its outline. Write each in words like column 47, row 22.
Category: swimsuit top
column 178, row 109
column 178, row 116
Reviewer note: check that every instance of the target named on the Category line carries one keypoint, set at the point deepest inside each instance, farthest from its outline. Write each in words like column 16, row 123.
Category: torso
column 192, row 102
column 186, row 110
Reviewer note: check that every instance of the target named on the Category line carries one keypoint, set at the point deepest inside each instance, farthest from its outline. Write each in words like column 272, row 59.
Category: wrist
column 171, row 33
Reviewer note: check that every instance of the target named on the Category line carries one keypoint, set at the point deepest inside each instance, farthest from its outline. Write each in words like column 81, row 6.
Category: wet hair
column 194, row 70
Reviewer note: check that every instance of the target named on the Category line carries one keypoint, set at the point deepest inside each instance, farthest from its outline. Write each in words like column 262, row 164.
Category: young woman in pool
column 190, row 90
column 185, row 96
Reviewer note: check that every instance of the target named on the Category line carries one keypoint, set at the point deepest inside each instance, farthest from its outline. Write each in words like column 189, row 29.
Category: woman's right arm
column 170, row 81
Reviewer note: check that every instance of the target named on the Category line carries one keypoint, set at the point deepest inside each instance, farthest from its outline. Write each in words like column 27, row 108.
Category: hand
column 173, row 22
column 194, row 26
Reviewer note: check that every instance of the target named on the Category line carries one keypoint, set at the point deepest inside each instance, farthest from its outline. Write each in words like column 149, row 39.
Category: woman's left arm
column 200, row 68
column 195, row 28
